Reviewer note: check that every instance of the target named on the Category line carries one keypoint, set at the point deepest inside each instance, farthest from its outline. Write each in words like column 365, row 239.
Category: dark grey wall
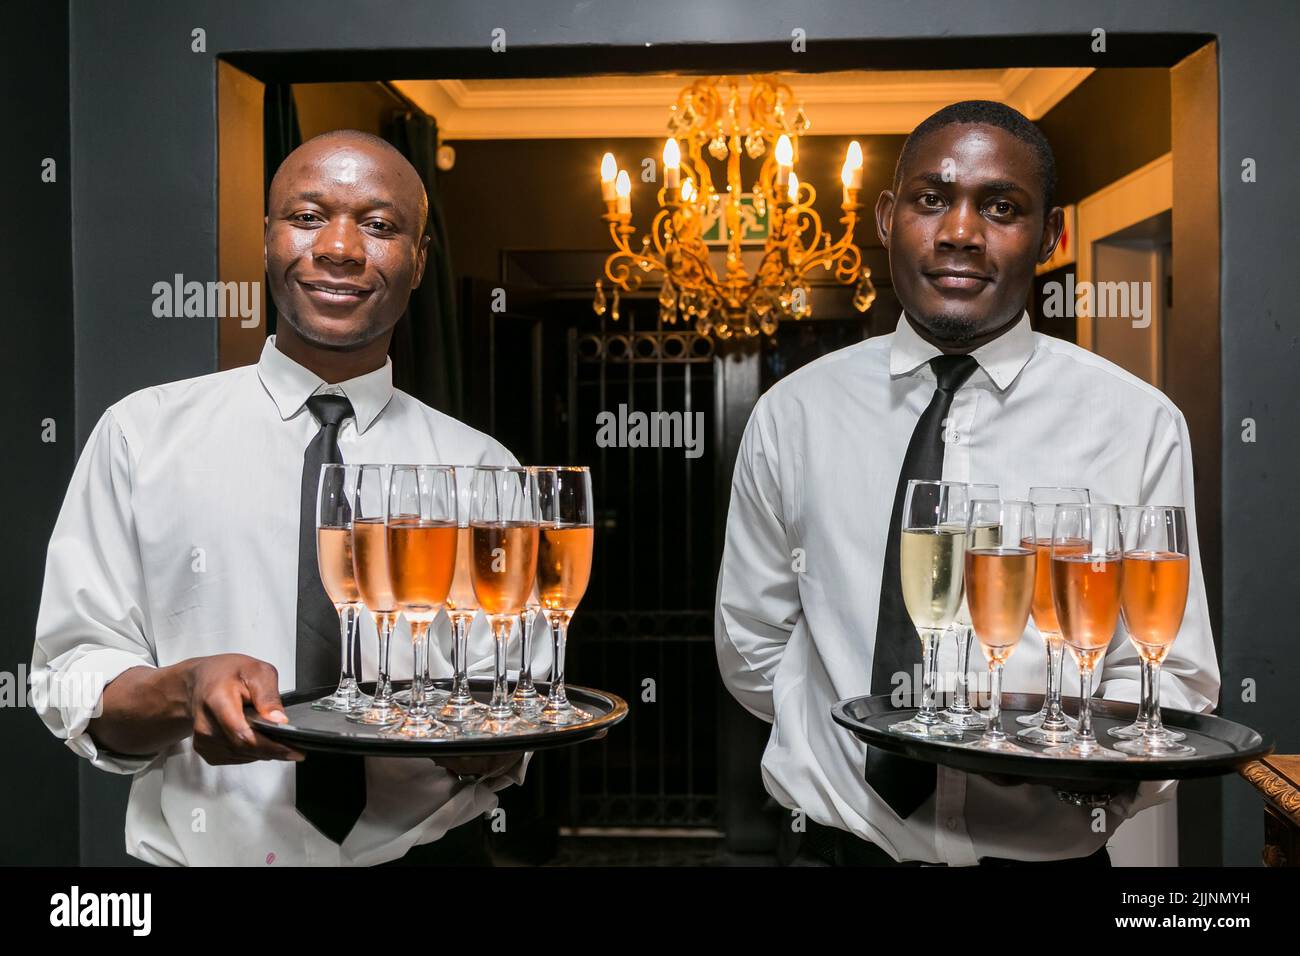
column 38, row 802
column 144, row 197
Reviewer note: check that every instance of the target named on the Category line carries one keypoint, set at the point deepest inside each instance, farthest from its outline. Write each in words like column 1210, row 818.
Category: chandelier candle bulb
column 623, row 186
column 672, row 165
column 853, row 165
column 784, row 160
column 608, row 170
column 851, row 174
column 793, row 191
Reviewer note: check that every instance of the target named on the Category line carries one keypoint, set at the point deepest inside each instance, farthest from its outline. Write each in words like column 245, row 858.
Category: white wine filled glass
column 999, row 590
column 1087, row 570
column 1050, row 725
column 1157, row 568
column 422, row 534
column 503, row 533
column 563, row 571
column 334, row 559
column 461, row 606
column 960, row 713
column 370, row 565
column 931, row 564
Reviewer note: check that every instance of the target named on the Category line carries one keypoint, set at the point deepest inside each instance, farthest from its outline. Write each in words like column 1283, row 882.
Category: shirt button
column 952, row 823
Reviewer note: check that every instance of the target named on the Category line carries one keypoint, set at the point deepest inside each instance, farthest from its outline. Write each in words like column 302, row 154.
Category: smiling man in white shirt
column 969, row 215
column 174, row 571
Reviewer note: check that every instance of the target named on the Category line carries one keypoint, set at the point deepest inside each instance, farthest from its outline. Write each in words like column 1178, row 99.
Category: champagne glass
column 1087, row 569
column 503, row 533
column 370, row 565
column 1152, row 601
column 563, row 571
column 421, row 563
column 1051, row 725
column 461, row 606
column 961, row 713
column 999, row 590
column 1139, row 726
column 931, row 564
column 334, row 559
column 525, row 699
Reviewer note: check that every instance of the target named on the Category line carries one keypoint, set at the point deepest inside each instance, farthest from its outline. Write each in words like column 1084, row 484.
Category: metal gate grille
column 645, row 628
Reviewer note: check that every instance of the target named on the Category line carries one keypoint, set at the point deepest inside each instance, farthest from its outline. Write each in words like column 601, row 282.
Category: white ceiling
column 851, row 102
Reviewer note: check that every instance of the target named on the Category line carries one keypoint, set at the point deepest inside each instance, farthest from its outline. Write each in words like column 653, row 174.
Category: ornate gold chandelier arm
column 623, row 265
column 844, row 255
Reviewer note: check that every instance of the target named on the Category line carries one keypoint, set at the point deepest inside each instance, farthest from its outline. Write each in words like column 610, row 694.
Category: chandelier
column 703, row 195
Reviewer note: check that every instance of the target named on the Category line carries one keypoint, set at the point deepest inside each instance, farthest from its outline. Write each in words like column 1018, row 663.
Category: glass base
column 1135, row 730
column 433, row 698
column 999, row 744
column 497, row 724
column 374, row 716
column 1147, row 746
column 1046, row 738
column 461, row 713
column 919, row 728
column 1035, row 720
column 528, row 705
column 562, row 716
column 967, row 719
column 1091, row 751
column 338, row 703
column 417, row 728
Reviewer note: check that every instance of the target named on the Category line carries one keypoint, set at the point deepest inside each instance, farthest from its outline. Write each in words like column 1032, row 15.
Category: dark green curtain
column 280, row 137
column 426, row 342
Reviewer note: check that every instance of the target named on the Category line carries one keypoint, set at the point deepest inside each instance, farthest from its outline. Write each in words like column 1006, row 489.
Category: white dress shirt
column 817, row 470
column 178, row 538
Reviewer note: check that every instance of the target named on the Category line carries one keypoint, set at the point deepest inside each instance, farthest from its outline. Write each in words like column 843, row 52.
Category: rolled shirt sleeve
column 758, row 601
column 92, row 623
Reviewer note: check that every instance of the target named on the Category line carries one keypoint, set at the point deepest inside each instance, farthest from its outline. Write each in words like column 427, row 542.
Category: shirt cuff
column 514, row 774
column 69, row 698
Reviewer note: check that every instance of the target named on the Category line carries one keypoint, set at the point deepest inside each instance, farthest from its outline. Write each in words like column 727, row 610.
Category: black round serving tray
column 1221, row 745
column 324, row 730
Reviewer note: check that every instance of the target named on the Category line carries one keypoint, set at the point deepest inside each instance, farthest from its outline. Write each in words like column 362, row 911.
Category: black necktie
column 901, row 782
column 331, row 791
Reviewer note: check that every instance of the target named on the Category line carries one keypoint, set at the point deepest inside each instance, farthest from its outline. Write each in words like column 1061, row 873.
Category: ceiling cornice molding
column 856, row 103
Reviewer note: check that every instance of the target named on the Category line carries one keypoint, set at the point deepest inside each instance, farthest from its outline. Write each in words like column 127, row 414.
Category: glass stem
column 929, row 672
column 419, row 667
column 1084, row 738
column 525, row 682
column 1055, row 718
column 1155, row 725
column 500, row 706
column 994, row 731
column 460, row 694
column 383, row 683
column 558, row 699
column 347, row 628
column 352, row 649
column 961, row 701
column 1144, row 699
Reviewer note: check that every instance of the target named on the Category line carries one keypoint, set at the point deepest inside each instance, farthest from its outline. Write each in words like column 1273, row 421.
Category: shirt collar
column 1002, row 359
column 290, row 385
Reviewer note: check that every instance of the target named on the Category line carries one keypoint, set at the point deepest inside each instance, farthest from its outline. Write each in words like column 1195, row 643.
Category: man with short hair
column 965, row 391
column 182, row 569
